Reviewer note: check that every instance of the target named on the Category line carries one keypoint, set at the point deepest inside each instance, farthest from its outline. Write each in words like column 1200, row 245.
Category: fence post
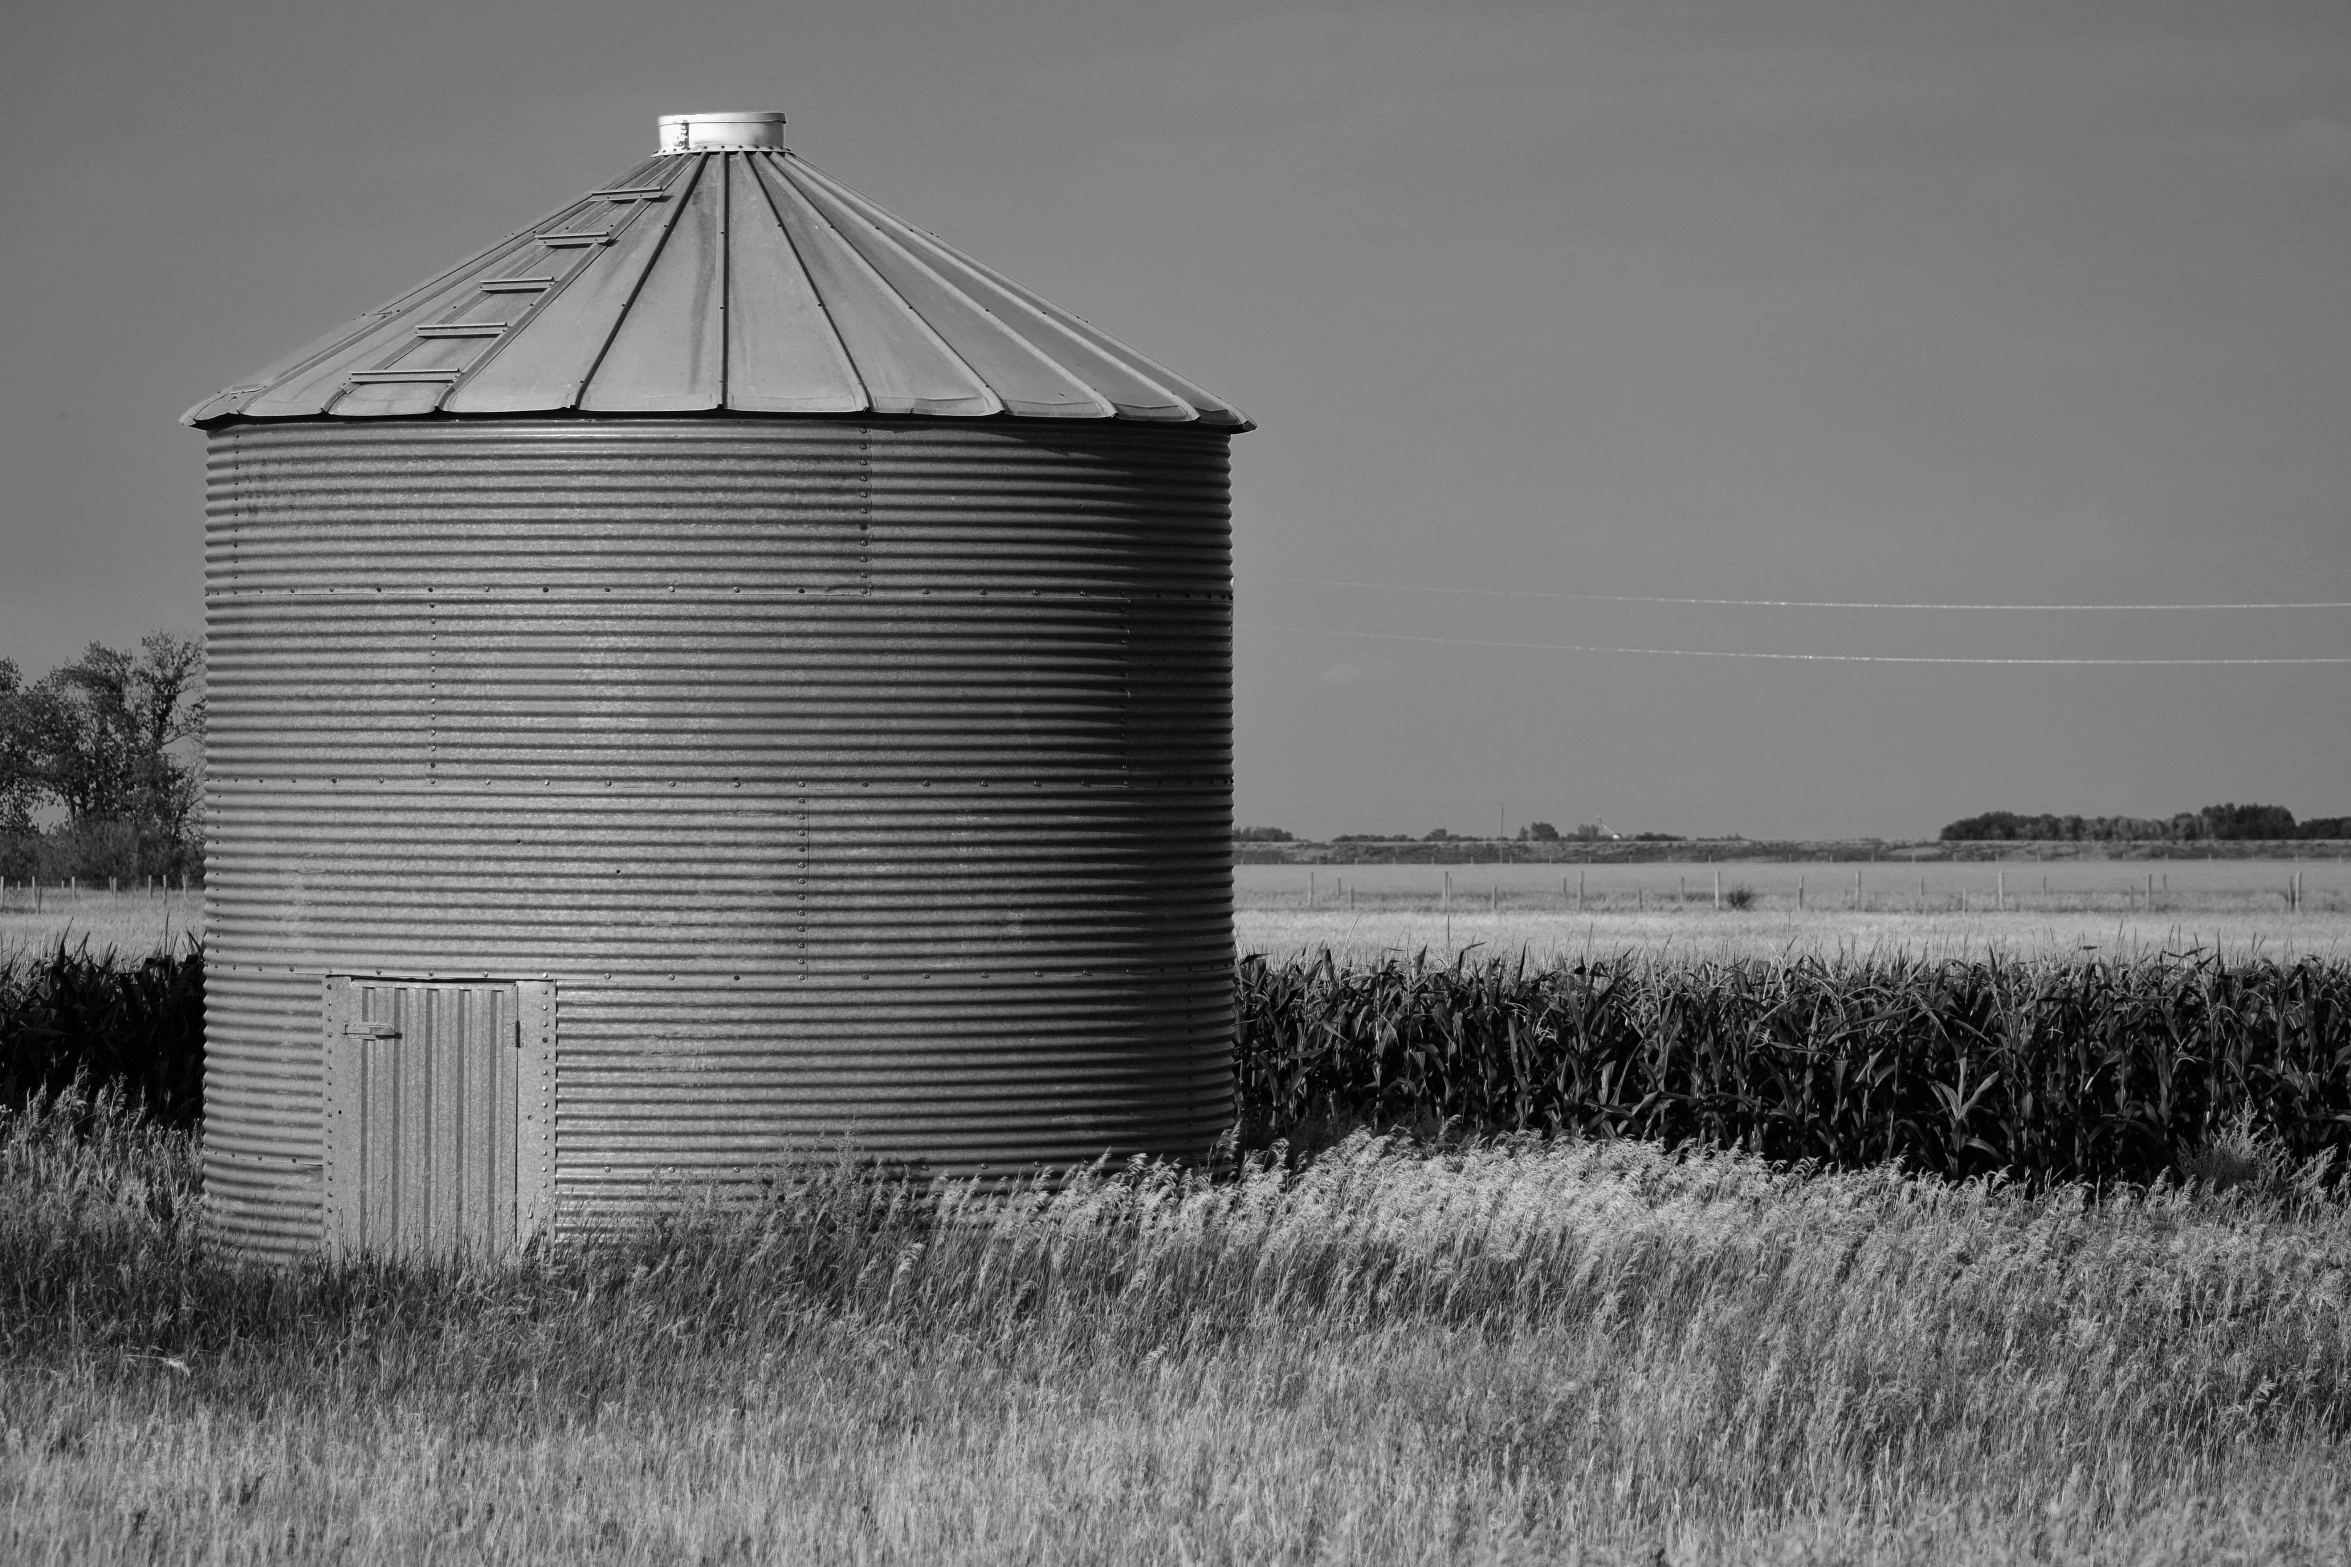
column 1718, row 892
column 1999, row 892
column 1799, row 892
column 1310, row 891
column 1579, row 892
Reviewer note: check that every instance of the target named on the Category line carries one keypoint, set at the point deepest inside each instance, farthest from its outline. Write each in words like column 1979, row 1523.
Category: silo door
column 440, row 1116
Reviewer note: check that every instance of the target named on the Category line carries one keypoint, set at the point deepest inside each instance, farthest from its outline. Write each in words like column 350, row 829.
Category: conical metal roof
column 726, row 274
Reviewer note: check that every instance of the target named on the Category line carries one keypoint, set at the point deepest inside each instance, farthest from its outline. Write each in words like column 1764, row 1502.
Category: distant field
column 125, row 922
column 1366, row 935
column 2233, row 906
column 2069, row 886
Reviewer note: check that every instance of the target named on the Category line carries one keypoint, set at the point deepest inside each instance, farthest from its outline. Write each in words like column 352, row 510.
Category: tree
column 2247, row 821
column 20, row 768
column 97, row 739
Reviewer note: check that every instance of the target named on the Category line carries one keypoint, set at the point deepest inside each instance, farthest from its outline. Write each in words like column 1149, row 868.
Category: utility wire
column 1638, row 598
column 1791, row 658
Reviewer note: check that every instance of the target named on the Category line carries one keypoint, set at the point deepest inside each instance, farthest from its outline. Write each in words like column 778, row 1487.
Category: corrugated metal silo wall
column 853, row 781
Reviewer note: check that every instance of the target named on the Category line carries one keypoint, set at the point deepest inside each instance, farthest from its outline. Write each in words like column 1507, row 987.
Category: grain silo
column 716, row 674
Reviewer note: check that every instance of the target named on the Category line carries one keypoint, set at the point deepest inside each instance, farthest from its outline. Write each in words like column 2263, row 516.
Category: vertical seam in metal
column 1135, row 364
column 823, row 305
column 726, row 271
column 669, row 226
column 1018, row 341
column 538, row 306
column 883, row 284
column 487, row 257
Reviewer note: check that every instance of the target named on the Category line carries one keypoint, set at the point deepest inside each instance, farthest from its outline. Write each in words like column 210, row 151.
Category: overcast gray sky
column 1987, row 302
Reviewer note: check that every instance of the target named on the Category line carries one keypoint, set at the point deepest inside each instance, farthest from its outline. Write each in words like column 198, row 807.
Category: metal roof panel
column 668, row 353
column 905, row 366
column 1026, row 381
column 719, row 279
column 783, row 355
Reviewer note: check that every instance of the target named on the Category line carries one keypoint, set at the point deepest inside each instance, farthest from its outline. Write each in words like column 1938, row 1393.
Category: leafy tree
column 20, row 769
column 2247, row 821
column 100, row 739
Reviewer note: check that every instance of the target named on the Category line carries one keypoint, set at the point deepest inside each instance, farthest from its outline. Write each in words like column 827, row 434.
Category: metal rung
column 516, row 285
column 568, row 241
column 363, row 376
column 371, row 1030
column 631, row 193
column 462, row 329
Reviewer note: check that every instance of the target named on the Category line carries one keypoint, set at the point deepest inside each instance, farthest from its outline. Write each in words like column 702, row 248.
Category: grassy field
column 1494, row 1351
column 1497, row 1352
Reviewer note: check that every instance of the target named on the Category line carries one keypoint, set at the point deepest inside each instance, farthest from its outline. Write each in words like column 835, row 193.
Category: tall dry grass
column 1501, row 1351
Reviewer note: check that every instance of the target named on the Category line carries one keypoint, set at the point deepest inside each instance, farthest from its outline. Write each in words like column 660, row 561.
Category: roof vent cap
column 740, row 131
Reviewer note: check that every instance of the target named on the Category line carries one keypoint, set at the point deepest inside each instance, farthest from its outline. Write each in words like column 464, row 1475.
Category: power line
column 1639, row 598
column 1791, row 658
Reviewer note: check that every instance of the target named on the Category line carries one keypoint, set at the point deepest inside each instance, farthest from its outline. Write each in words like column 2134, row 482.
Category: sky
column 1989, row 303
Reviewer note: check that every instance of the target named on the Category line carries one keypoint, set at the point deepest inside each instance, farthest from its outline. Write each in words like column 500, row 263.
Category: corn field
column 135, row 1025
column 2045, row 1070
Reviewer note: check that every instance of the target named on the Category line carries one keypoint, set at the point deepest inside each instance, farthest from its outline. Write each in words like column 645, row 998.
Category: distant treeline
column 2214, row 823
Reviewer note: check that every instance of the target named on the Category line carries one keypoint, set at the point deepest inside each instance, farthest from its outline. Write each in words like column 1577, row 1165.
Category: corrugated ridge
column 859, row 782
